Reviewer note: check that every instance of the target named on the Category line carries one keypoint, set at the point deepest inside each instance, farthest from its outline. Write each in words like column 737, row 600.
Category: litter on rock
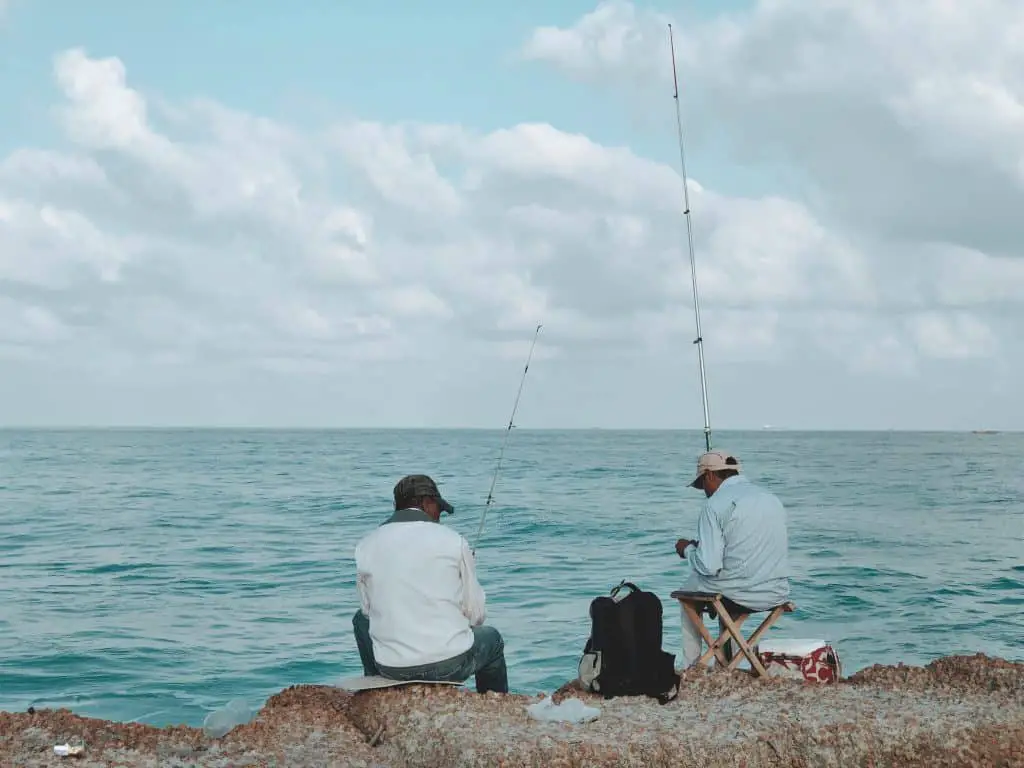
column 219, row 722
column 66, row 750
column 568, row 711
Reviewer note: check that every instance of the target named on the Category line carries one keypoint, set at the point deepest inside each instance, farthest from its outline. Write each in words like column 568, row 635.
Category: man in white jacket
column 422, row 609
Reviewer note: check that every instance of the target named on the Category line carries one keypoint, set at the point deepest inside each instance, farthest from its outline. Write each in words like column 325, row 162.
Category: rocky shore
column 957, row 711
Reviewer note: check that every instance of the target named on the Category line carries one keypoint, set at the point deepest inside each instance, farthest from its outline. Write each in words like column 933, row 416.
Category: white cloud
column 906, row 118
column 613, row 38
column 905, row 122
column 192, row 243
column 952, row 335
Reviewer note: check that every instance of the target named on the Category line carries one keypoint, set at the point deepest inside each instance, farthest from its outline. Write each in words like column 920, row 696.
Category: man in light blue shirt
column 742, row 547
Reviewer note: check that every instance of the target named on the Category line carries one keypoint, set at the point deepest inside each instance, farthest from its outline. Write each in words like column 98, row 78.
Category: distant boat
column 985, row 431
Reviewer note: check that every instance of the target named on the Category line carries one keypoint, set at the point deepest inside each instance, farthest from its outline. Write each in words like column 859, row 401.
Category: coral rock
column 957, row 711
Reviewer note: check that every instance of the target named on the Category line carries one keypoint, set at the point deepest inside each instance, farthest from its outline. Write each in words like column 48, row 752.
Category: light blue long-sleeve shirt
column 743, row 544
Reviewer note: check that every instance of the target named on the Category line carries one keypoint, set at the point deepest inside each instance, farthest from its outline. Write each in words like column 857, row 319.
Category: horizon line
column 364, row 428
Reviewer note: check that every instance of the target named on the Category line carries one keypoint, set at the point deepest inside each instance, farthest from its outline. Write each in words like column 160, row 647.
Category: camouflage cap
column 413, row 486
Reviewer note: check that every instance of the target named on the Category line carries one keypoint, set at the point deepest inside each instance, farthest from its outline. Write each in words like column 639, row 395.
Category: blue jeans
column 485, row 660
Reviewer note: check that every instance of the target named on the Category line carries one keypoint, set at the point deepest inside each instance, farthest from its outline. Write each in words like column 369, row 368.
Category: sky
column 355, row 215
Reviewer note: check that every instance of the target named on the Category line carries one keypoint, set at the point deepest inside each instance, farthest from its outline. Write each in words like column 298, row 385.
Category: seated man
column 742, row 547
column 422, row 607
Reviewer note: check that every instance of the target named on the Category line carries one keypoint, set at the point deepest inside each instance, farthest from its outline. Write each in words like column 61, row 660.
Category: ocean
column 155, row 575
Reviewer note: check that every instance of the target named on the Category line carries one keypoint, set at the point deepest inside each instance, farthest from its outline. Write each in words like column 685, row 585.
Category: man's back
column 419, row 592
column 744, row 545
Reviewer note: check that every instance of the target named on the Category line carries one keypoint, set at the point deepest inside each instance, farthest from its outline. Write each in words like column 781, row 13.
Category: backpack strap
column 673, row 692
column 632, row 587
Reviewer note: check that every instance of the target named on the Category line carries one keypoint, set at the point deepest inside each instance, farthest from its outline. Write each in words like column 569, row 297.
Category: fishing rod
column 699, row 341
column 504, row 442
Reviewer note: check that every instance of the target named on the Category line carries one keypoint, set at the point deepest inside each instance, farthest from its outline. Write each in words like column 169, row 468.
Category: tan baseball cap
column 712, row 461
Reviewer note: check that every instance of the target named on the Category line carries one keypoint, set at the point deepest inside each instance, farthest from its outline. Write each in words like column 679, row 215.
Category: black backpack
column 623, row 656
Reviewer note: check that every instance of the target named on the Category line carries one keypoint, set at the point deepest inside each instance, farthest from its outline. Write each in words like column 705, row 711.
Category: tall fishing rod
column 699, row 341
column 504, row 442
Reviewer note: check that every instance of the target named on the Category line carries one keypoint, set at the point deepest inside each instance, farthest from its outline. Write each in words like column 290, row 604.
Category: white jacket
column 417, row 584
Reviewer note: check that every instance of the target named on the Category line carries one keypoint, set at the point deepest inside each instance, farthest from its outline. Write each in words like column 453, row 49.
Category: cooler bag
column 814, row 661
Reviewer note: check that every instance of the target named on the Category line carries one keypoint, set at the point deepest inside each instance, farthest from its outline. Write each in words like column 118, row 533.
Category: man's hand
column 682, row 544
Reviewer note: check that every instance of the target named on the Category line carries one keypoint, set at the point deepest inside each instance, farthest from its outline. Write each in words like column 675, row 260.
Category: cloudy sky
column 304, row 214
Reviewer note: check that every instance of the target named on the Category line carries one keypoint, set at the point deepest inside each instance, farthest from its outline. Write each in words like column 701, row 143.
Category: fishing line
column 504, row 442
column 699, row 341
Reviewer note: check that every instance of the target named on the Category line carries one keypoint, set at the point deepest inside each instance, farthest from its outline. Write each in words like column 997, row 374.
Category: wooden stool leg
column 752, row 640
column 730, row 628
column 755, row 663
column 713, row 645
column 766, row 625
column 721, row 647
column 727, row 648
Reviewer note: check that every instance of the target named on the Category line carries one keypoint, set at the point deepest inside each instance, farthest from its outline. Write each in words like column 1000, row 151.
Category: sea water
column 156, row 575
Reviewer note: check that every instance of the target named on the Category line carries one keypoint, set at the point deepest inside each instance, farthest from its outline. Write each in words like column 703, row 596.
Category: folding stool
column 695, row 604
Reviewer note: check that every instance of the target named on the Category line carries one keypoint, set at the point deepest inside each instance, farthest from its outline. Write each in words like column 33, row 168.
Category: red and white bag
column 814, row 661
